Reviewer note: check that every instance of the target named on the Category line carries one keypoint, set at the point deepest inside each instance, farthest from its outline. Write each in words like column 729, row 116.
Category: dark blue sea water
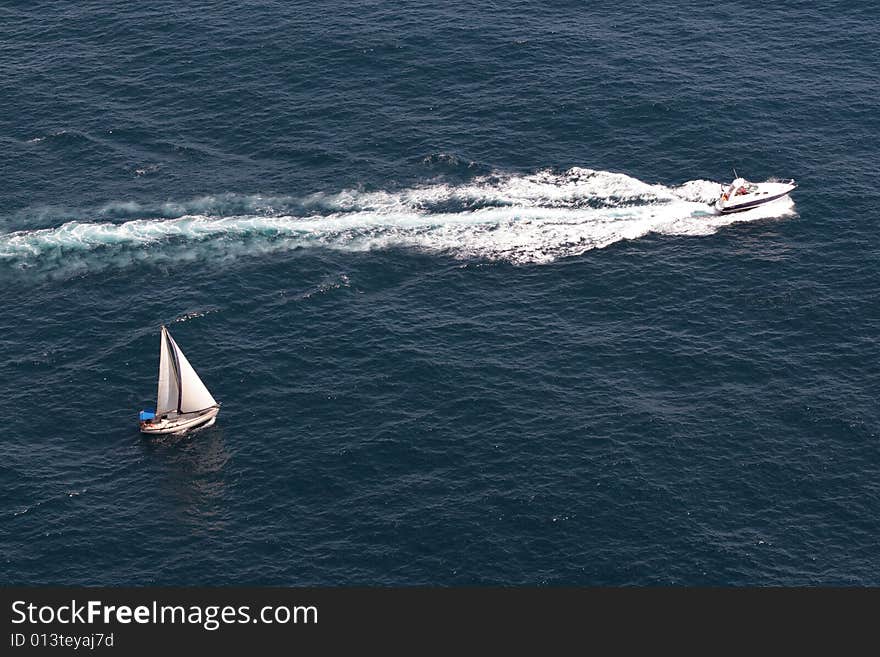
column 450, row 270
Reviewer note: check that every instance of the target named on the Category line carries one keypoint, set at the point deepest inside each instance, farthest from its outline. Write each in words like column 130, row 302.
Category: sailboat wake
column 535, row 218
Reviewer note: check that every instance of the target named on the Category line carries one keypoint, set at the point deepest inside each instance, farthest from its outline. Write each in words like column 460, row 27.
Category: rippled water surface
column 452, row 273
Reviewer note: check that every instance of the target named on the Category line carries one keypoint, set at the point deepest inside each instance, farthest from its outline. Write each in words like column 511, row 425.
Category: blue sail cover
column 146, row 415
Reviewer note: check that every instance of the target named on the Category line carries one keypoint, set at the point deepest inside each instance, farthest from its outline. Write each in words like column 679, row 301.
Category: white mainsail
column 180, row 388
column 194, row 396
column 166, row 400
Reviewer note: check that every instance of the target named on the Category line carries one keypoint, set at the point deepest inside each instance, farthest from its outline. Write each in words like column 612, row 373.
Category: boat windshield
column 744, row 188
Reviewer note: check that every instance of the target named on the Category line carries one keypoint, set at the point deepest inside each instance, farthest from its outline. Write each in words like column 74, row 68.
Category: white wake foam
column 533, row 218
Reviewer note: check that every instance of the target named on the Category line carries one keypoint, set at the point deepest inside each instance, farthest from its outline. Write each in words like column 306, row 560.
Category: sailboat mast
column 176, row 363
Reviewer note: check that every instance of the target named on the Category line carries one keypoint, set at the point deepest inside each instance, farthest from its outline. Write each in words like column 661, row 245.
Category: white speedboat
column 744, row 195
column 183, row 401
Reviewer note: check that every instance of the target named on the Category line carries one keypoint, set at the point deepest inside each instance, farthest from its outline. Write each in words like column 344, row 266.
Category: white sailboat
column 183, row 401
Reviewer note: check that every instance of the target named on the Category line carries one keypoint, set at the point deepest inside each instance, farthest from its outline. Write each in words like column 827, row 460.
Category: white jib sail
column 195, row 396
column 166, row 400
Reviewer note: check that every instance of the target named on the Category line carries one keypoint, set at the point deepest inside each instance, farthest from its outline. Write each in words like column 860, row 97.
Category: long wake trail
column 535, row 218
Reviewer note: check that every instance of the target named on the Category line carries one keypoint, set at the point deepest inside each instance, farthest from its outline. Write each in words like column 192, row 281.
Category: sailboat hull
column 181, row 423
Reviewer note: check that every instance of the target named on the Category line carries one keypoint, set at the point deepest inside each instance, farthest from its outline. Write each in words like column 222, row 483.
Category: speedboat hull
column 754, row 195
column 181, row 423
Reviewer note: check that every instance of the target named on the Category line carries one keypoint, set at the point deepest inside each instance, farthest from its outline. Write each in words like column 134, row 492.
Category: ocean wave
column 535, row 218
